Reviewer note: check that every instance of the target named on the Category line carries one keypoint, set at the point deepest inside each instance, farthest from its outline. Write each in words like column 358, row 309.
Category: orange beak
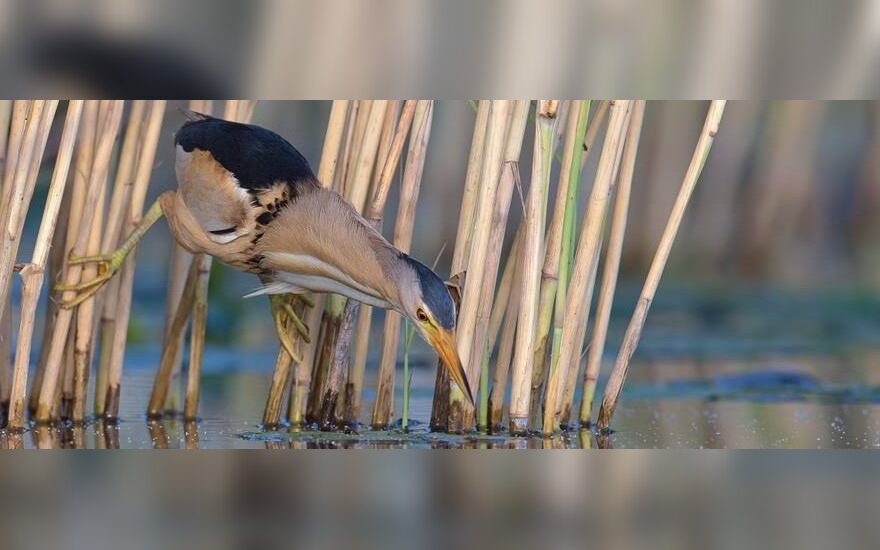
column 443, row 342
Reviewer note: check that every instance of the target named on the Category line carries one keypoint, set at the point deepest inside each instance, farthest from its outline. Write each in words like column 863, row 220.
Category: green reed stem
column 566, row 256
column 408, row 333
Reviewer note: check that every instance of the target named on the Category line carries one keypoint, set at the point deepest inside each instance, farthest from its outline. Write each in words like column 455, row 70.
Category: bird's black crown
column 435, row 294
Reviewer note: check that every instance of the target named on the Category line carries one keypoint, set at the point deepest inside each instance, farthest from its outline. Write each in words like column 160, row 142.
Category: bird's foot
column 107, row 266
column 285, row 315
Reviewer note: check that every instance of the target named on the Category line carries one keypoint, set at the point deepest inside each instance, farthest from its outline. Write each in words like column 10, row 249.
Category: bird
column 250, row 199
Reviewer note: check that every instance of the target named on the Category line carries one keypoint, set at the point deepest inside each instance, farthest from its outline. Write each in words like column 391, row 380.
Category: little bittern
column 248, row 198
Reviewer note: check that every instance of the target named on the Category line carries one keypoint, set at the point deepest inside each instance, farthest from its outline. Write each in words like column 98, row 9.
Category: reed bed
column 524, row 291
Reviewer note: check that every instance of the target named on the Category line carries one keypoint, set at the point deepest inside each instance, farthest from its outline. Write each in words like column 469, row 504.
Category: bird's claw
column 285, row 315
column 107, row 266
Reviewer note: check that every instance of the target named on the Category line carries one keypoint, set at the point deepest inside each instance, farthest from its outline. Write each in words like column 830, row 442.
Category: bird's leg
column 283, row 313
column 108, row 264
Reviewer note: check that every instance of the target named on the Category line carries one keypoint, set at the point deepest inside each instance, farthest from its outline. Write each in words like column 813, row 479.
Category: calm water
column 799, row 403
column 745, row 369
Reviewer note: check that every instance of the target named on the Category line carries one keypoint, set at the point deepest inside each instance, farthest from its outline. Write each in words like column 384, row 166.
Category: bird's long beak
column 443, row 342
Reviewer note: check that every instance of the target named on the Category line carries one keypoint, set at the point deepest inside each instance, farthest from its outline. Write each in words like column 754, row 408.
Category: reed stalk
column 238, row 111
column 5, row 119
column 5, row 362
column 612, row 262
column 505, row 290
column 65, row 241
column 461, row 253
column 569, row 236
column 658, row 263
column 351, row 401
column 353, row 183
column 505, row 345
column 85, row 325
column 113, row 230
column 556, row 239
column 177, row 269
column 333, row 363
column 338, row 138
column 420, row 116
column 530, row 255
column 579, row 294
column 567, row 401
column 78, row 233
column 468, row 319
column 161, row 383
column 349, row 406
column 143, row 171
column 509, row 179
column 21, row 188
column 334, row 138
column 197, row 336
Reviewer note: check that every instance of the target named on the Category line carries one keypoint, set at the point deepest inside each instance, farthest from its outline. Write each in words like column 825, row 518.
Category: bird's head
column 426, row 301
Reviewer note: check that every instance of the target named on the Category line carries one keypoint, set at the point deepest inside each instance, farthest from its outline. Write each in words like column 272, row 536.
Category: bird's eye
column 421, row 315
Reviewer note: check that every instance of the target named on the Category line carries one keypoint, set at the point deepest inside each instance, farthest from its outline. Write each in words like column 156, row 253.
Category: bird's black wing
column 256, row 156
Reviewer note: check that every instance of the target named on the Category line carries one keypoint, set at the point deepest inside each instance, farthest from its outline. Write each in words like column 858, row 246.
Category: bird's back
column 233, row 180
column 256, row 156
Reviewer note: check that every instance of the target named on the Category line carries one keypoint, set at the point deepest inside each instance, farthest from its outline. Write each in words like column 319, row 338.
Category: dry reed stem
column 366, row 159
column 302, row 372
column 329, row 376
column 420, row 116
column 20, row 191
column 332, row 143
column 197, row 335
column 509, row 179
column 178, row 267
column 5, row 119
column 530, row 256
column 583, row 276
column 369, row 151
column 505, row 290
column 331, row 315
column 342, row 168
column 391, row 147
column 505, row 345
column 73, row 209
column 143, row 171
column 84, row 323
column 637, row 322
column 461, row 253
column 339, row 133
column 5, row 362
column 354, row 384
column 464, row 234
column 20, row 110
column 33, row 273
column 78, row 233
column 163, row 375
column 612, row 262
column 238, row 111
column 566, row 190
column 566, row 402
column 112, row 232
column 496, row 134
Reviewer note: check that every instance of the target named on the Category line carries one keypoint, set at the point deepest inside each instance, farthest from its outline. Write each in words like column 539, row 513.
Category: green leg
column 284, row 313
column 108, row 264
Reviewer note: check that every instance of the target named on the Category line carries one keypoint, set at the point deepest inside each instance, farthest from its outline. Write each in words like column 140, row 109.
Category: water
column 799, row 403
column 751, row 369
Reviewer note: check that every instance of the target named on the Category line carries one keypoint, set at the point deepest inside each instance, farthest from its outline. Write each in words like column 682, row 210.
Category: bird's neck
column 321, row 244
